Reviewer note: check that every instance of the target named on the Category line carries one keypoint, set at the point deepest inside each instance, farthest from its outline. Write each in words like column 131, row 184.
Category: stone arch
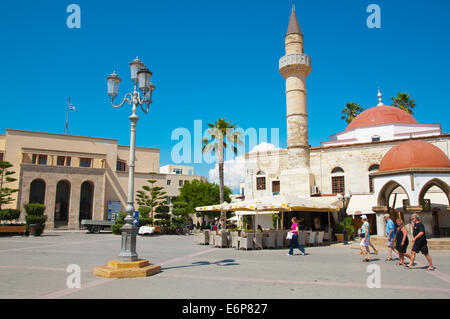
column 387, row 190
column 37, row 191
column 438, row 183
column 337, row 170
column 62, row 203
column 87, row 189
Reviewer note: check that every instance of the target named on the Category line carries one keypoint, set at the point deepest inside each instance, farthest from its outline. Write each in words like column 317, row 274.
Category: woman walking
column 294, row 239
column 366, row 239
column 401, row 241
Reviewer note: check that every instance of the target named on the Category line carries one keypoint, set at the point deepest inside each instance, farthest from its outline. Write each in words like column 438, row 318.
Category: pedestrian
column 366, row 239
column 294, row 239
column 401, row 241
column 419, row 242
column 390, row 234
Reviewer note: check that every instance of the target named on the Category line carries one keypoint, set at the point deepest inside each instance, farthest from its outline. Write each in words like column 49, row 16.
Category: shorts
column 365, row 243
column 390, row 242
column 420, row 247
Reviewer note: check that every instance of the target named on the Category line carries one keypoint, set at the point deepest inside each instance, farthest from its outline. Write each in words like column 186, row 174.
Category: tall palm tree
column 404, row 102
column 223, row 135
column 350, row 111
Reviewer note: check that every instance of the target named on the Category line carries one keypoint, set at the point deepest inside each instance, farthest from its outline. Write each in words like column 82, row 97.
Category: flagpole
column 67, row 119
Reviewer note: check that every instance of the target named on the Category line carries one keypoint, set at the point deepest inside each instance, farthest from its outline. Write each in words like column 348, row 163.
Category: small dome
column 381, row 114
column 414, row 154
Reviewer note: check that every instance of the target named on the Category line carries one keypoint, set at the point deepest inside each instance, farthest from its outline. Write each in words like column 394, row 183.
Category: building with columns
column 351, row 161
column 78, row 177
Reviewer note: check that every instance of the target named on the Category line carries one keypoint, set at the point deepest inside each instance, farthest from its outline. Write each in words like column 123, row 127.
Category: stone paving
column 36, row 268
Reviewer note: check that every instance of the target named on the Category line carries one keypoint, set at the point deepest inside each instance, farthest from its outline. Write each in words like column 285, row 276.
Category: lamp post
column 140, row 75
column 345, row 199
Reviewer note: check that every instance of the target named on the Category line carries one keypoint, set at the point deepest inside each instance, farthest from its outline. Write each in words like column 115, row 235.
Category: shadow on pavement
column 224, row 262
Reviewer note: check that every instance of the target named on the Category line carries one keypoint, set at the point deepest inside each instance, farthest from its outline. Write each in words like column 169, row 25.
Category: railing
column 292, row 59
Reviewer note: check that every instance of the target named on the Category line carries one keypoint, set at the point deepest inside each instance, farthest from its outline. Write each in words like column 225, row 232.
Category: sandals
column 431, row 268
column 365, row 260
column 388, row 259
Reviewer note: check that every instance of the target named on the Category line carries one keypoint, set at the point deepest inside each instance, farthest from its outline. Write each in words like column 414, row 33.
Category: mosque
column 385, row 158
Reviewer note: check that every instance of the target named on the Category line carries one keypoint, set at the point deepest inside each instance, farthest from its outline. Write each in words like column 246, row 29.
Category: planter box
column 13, row 229
column 340, row 237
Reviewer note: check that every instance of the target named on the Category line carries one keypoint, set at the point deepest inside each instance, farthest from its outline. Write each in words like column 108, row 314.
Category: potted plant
column 339, row 229
column 7, row 216
column 35, row 219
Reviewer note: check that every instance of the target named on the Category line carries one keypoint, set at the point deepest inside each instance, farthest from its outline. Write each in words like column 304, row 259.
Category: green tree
column 201, row 193
column 350, row 111
column 223, row 135
column 151, row 196
column 5, row 178
column 179, row 212
column 404, row 102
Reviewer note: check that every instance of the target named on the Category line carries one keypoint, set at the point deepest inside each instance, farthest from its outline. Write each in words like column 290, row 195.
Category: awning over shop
column 273, row 204
column 360, row 205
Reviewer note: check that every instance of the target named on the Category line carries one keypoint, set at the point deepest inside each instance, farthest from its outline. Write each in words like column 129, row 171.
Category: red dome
column 414, row 154
column 381, row 114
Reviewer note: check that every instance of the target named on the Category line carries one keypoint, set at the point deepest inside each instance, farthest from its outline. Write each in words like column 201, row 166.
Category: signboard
column 114, row 209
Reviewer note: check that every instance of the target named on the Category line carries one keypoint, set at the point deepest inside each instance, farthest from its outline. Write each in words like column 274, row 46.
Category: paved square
column 36, row 268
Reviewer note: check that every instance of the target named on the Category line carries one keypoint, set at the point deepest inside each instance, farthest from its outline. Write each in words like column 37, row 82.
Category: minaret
column 295, row 66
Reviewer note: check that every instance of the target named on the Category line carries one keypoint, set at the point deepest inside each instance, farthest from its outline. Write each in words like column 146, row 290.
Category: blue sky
column 214, row 59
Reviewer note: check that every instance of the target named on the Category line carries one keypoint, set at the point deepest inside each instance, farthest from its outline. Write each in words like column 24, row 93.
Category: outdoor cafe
column 263, row 223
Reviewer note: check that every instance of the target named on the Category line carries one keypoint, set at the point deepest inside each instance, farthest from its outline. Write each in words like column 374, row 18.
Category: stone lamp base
column 121, row 269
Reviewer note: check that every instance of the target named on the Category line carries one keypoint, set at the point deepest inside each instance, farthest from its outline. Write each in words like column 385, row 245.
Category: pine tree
column 5, row 178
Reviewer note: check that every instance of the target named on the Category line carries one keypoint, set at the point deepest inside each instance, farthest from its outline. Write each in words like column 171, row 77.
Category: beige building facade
column 76, row 177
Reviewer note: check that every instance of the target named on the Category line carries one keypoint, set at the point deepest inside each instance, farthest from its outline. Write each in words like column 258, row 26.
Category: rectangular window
column 85, row 162
column 68, row 161
column 178, row 171
column 337, row 184
column 42, row 160
column 2, row 157
column 168, row 182
column 180, row 183
column 121, row 166
column 275, row 186
column 33, row 159
column 260, row 183
column 169, row 200
column 60, row 160
column 370, row 184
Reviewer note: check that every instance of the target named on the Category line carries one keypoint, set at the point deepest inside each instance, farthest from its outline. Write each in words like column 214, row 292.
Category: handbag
column 289, row 235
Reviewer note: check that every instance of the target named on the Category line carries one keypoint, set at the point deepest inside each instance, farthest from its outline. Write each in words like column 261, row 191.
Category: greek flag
column 71, row 107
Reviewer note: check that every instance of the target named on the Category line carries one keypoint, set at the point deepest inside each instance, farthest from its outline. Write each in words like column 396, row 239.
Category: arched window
column 37, row 191
column 373, row 168
column 62, row 201
column 337, row 170
column 86, row 200
column 337, row 180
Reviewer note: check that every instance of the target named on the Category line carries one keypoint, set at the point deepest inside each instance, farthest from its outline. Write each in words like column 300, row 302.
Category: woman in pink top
column 294, row 240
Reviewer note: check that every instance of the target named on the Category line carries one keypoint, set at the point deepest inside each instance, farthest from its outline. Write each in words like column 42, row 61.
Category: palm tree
column 351, row 111
column 223, row 135
column 404, row 102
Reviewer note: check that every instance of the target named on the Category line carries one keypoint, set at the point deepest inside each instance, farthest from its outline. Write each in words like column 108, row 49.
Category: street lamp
column 345, row 199
column 140, row 75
